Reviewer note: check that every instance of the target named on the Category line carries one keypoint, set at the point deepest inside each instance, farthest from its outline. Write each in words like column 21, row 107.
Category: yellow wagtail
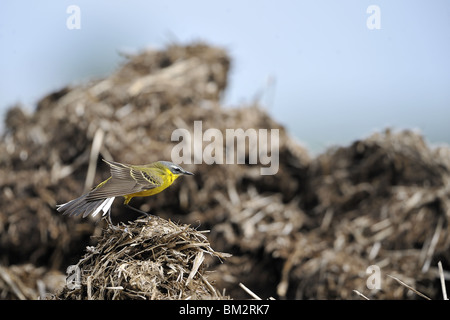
column 128, row 181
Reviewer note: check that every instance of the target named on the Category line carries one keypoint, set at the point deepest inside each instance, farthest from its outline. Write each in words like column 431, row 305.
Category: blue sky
column 314, row 65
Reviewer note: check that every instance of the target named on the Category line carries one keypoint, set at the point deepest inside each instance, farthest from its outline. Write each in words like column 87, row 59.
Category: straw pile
column 309, row 231
column 382, row 201
column 145, row 259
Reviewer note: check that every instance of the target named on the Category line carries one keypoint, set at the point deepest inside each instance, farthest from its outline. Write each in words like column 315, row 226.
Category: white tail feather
column 107, row 205
column 104, row 206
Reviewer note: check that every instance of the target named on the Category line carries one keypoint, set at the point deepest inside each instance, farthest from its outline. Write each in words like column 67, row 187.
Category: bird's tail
column 84, row 207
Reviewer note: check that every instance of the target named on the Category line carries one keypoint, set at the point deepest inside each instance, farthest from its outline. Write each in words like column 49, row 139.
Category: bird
column 128, row 181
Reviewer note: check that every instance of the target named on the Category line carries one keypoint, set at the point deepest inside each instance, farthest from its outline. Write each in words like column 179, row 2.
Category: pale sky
column 315, row 65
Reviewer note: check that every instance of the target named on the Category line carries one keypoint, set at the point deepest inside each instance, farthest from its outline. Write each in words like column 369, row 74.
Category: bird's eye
column 176, row 170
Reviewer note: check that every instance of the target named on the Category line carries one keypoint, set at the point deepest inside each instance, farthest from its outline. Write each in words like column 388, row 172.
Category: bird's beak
column 187, row 173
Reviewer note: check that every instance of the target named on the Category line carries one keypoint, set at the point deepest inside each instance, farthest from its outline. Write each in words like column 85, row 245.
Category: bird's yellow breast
column 168, row 179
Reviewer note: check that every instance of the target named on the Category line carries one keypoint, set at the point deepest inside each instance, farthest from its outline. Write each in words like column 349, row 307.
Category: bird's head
column 175, row 169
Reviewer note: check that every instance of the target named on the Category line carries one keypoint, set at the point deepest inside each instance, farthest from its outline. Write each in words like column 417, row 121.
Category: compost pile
column 309, row 231
column 146, row 259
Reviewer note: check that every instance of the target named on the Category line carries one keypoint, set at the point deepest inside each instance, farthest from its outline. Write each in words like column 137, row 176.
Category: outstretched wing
column 125, row 179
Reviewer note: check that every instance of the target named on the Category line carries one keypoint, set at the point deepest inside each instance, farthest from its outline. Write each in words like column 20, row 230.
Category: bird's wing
column 125, row 179
column 147, row 176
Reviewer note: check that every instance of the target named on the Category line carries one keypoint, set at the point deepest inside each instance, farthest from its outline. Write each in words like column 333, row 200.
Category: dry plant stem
column 251, row 293
column 360, row 294
column 409, row 287
column 442, row 278
column 97, row 143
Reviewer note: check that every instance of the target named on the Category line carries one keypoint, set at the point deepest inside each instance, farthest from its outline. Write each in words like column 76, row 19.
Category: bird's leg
column 140, row 211
column 108, row 217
